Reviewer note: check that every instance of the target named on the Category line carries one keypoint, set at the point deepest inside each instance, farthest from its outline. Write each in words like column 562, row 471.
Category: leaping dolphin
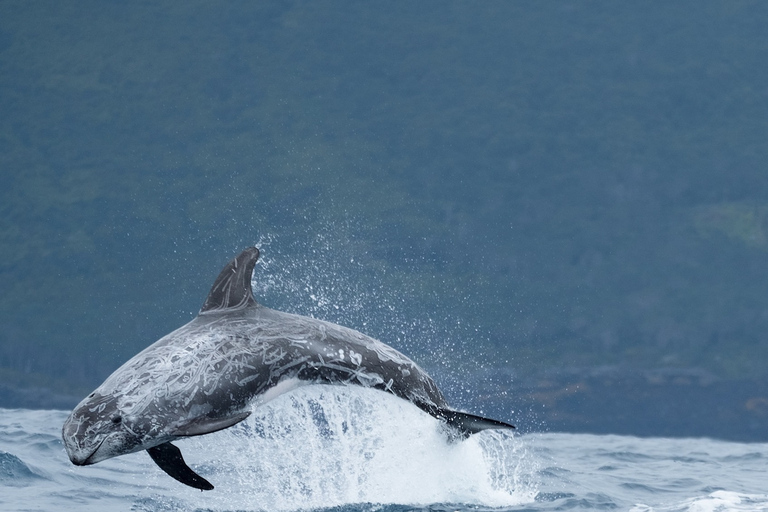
column 205, row 376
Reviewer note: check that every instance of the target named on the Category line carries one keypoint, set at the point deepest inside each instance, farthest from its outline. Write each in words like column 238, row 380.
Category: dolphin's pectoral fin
column 467, row 424
column 200, row 426
column 169, row 458
column 232, row 289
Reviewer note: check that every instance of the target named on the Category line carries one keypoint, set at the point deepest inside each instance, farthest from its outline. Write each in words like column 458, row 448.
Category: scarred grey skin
column 206, row 375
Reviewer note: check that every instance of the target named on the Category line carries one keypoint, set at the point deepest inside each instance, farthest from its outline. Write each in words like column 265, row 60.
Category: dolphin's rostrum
column 205, row 376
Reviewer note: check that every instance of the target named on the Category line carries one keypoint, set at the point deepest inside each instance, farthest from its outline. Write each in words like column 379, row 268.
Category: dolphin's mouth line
column 88, row 460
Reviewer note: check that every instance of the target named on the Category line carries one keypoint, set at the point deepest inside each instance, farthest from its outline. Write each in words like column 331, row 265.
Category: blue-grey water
column 351, row 449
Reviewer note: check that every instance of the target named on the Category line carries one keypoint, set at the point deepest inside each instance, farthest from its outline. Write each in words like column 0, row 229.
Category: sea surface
column 351, row 449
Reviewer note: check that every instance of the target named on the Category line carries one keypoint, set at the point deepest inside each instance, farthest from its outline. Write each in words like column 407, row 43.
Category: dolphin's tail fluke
column 467, row 424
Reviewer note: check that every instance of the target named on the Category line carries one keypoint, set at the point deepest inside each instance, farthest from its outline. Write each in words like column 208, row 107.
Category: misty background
column 559, row 209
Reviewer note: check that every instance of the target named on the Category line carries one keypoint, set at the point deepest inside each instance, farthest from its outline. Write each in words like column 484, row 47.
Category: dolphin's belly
column 281, row 388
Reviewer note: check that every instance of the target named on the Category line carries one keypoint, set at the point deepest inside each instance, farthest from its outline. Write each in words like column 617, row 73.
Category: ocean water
column 351, row 449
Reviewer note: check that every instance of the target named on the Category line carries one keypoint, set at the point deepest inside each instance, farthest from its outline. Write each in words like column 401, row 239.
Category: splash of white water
column 326, row 446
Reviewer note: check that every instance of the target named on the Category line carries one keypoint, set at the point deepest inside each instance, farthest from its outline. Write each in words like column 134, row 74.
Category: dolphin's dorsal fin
column 232, row 289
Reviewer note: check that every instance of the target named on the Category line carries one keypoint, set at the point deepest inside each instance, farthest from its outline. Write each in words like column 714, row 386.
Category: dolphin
column 208, row 374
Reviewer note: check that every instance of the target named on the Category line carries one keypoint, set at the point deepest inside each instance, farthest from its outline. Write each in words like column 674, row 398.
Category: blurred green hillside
column 518, row 184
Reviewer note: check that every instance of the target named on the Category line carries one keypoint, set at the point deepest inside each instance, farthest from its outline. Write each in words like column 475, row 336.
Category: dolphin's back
column 333, row 354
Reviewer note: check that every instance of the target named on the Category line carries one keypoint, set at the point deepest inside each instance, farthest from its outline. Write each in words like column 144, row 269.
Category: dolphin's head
column 97, row 430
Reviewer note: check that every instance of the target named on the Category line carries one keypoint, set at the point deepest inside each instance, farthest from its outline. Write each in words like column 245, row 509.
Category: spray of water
column 327, row 446
column 328, row 274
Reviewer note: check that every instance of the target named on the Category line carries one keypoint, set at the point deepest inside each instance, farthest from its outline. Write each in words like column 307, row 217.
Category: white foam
column 325, row 446
column 718, row 501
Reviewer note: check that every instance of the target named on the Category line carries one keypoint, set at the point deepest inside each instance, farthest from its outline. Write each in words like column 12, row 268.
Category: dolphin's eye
column 117, row 419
